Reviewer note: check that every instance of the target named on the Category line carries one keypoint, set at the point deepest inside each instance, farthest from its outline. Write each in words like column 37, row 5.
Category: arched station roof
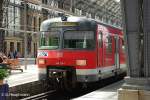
column 108, row 11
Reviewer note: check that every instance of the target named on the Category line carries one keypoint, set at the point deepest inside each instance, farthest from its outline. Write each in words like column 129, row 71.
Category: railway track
column 41, row 96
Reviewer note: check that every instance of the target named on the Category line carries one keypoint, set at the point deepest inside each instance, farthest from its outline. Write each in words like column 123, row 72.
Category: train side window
column 108, row 44
column 100, row 39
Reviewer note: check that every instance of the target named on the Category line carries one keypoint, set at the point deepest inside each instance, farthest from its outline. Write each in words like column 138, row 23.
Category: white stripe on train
column 101, row 70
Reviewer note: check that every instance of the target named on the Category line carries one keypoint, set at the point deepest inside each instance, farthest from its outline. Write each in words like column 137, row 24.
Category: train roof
column 75, row 19
column 69, row 19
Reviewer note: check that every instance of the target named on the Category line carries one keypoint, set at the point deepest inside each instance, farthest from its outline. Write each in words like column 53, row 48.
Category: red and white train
column 76, row 49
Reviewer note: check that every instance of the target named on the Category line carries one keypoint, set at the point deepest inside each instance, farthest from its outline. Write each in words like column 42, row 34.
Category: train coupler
column 55, row 73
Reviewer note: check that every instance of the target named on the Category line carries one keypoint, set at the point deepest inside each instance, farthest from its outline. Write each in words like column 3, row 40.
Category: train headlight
column 81, row 62
column 41, row 61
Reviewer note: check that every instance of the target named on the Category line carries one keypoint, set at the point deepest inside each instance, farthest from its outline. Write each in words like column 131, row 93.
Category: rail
column 39, row 96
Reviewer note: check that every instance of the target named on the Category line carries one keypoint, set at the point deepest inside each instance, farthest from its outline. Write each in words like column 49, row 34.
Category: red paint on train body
column 105, row 55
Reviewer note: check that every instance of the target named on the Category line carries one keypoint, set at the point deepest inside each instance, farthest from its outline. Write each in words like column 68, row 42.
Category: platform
column 106, row 93
column 17, row 77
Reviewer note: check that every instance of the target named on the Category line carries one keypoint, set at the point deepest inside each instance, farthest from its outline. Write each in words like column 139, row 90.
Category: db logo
column 43, row 53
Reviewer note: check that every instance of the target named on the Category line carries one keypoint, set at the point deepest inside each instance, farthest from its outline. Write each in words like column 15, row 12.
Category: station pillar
column 136, row 16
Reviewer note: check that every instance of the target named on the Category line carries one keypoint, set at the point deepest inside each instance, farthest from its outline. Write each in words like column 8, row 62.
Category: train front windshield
column 50, row 40
column 78, row 40
column 70, row 40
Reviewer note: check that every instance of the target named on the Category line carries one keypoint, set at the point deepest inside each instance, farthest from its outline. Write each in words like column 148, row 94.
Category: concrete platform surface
column 106, row 93
column 17, row 77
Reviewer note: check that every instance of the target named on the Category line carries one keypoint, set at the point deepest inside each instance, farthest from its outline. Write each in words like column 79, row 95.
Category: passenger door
column 108, row 50
column 116, row 57
column 100, row 49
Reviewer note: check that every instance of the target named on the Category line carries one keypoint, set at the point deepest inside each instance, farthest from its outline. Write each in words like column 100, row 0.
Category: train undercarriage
column 62, row 78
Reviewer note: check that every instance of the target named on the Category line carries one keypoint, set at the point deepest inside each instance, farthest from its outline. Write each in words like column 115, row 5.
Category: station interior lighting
column 117, row 0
